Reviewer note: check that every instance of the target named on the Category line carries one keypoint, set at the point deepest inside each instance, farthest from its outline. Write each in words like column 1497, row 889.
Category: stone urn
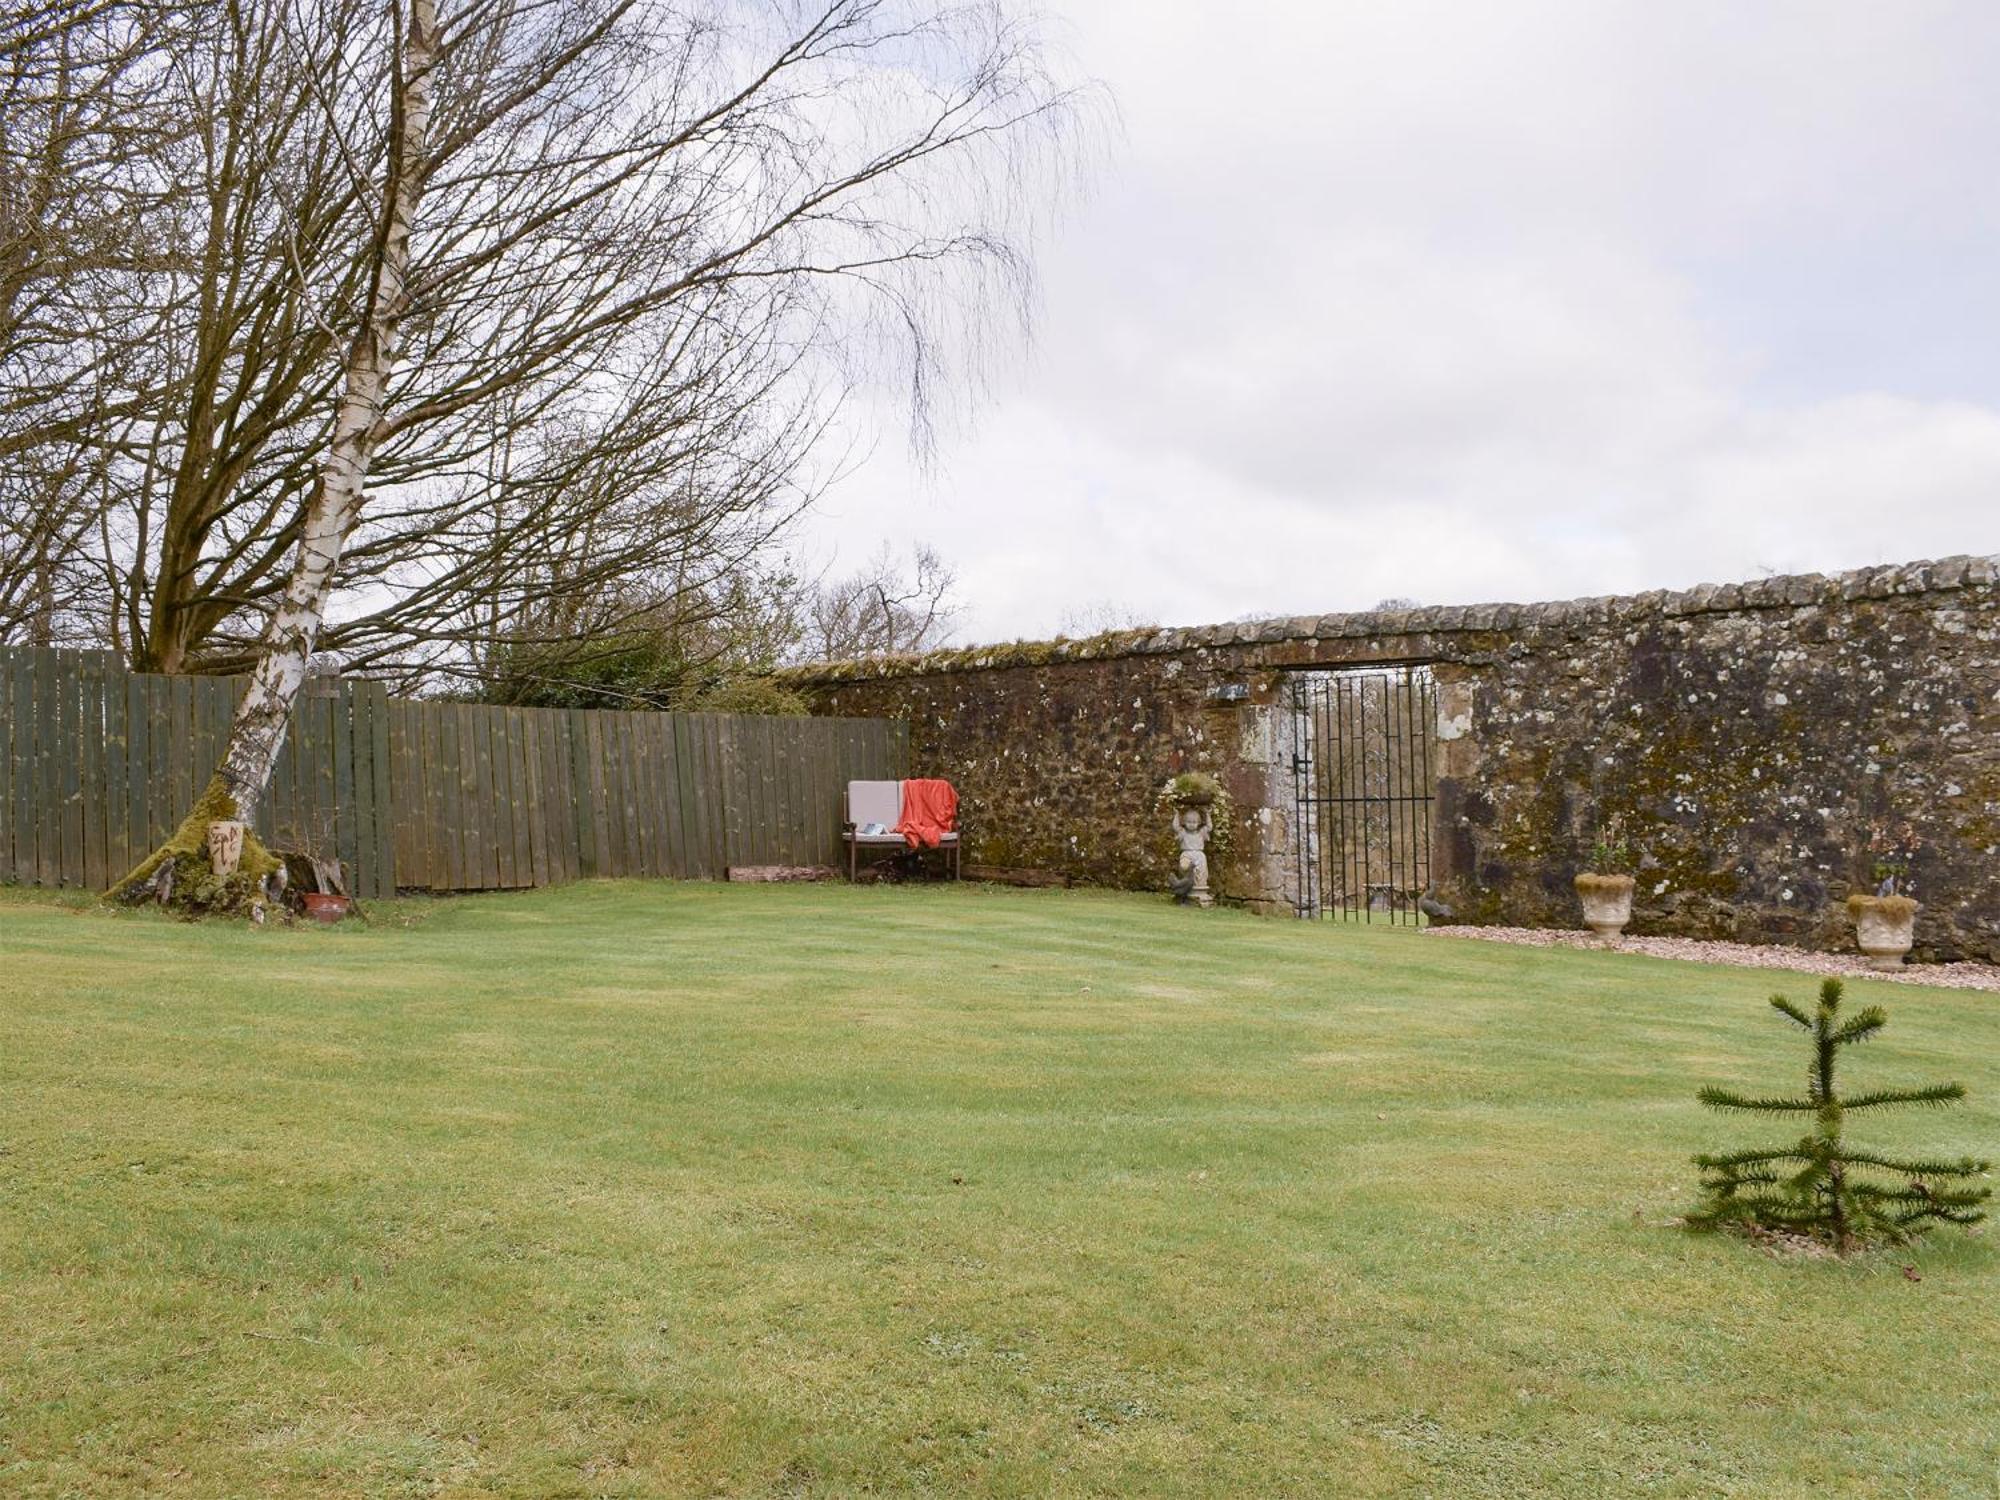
column 1607, row 904
column 1885, row 927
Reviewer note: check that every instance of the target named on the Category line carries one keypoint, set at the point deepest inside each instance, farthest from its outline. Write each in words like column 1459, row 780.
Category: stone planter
column 1607, row 904
column 1884, row 927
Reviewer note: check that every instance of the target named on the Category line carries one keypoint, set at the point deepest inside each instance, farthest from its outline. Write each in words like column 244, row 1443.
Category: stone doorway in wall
column 1364, row 780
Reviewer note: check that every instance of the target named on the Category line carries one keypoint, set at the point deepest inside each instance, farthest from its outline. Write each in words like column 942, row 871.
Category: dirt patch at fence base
column 1744, row 955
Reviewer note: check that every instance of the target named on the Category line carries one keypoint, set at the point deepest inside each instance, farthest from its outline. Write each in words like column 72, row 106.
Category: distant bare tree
column 693, row 639
column 881, row 609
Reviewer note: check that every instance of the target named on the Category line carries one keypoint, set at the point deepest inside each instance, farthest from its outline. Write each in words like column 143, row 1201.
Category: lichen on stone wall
column 1747, row 734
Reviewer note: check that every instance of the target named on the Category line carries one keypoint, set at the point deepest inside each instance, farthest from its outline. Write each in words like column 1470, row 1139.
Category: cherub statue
column 1192, row 826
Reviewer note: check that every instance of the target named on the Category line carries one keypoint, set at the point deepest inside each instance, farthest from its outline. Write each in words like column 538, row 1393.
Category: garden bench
column 879, row 804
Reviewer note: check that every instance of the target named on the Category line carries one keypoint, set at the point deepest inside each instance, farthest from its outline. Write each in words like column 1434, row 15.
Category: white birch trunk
column 259, row 727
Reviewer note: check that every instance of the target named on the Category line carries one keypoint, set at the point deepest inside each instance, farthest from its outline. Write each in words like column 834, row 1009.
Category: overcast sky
column 1468, row 301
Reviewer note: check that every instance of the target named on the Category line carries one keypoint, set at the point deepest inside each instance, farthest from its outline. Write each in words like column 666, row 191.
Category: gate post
column 1458, row 763
column 1289, row 861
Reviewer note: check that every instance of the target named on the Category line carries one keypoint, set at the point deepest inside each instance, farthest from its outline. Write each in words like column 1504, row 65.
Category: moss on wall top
column 1884, row 582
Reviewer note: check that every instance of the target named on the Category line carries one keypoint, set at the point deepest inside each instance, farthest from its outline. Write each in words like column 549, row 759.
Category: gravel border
column 1744, row 955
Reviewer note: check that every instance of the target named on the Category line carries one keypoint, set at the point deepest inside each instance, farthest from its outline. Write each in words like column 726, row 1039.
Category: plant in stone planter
column 1605, row 886
column 1885, row 924
column 1892, row 847
column 1191, row 788
column 1198, row 789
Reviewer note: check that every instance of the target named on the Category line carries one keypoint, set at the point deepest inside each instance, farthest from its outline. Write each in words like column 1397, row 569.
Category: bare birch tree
column 264, row 713
column 359, row 424
column 629, row 251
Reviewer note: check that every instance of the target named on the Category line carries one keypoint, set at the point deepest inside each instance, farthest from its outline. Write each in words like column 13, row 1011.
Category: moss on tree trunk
column 195, row 887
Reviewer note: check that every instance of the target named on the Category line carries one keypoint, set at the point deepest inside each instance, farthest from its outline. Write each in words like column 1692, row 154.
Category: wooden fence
column 98, row 765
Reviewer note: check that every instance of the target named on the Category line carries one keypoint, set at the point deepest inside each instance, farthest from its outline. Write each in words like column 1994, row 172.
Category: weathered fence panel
column 101, row 765
column 98, row 765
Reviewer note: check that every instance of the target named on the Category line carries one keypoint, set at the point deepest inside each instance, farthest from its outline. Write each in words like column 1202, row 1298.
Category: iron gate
column 1364, row 780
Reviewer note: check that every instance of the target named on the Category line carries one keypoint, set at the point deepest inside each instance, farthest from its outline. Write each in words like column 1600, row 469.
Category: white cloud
column 1473, row 302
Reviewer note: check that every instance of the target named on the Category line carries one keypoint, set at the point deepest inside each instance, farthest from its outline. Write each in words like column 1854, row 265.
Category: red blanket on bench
column 930, row 810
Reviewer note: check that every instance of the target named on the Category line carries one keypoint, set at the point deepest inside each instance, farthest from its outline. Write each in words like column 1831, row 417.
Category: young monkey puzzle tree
column 1821, row 1187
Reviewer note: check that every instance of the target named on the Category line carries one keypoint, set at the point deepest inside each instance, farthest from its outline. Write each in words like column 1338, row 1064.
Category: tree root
column 179, row 876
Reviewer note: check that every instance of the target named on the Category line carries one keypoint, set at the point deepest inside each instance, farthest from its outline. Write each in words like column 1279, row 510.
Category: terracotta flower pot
column 322, row 906
column 1607, row 904
column 1885, row 927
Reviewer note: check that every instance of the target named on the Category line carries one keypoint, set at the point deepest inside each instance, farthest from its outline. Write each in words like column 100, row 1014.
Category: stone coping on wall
column 1793, row 591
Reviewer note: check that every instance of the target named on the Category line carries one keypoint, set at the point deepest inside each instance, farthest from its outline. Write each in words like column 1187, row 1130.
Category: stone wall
column 1765, row 743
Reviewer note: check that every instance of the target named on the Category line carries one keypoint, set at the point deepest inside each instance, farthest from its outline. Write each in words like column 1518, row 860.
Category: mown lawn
column 641, row 1189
